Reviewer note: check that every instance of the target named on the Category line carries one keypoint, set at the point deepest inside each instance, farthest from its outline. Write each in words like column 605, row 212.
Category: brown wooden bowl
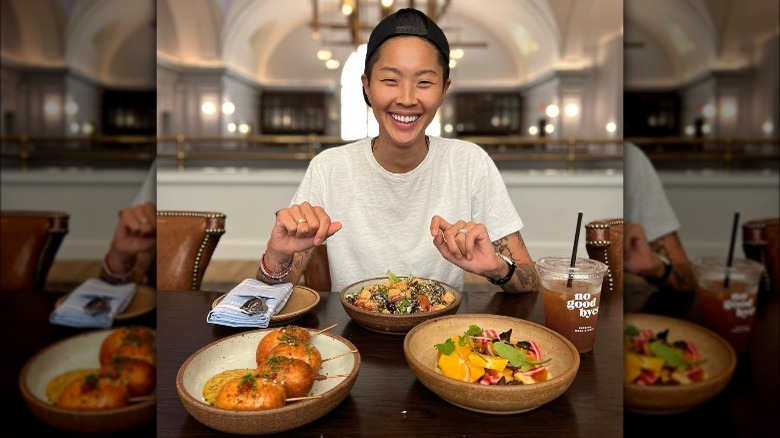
column 420, row 351
column 391, row 323
column 77, row 352
column 720, row 361
column 238, row 351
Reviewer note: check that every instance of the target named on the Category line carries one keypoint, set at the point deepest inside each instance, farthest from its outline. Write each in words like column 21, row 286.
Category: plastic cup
column 572, row 311
column 729, row 310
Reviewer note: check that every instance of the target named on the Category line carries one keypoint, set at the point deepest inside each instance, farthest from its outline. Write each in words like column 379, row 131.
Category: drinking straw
column 574, row 251
column 731, row 250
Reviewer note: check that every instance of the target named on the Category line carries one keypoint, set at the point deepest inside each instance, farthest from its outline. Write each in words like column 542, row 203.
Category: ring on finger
column 144, row 220
column 301, row 220
column 463, row 231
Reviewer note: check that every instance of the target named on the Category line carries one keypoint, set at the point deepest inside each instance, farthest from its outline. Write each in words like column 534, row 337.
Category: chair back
column 316, row 275
column 30, row 240
column 186, row 241
column 604, row 242
column 761, row 242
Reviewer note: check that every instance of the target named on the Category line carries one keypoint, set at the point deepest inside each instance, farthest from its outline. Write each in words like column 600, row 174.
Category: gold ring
column 144, row 220
column 301, row 220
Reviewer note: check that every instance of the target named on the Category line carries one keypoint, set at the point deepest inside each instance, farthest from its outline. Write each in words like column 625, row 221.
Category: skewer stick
column 321, row 377
column 339, row 355
column 141, row 398
column 323, row 330
column 309, row 397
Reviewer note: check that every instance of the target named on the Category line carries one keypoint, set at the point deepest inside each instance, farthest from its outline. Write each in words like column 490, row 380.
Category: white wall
column 93, row 200
column 548, row 203
column 705, row 205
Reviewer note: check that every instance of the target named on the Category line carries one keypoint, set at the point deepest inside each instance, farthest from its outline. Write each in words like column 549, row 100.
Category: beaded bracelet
column 267, row 272
column 113, row 276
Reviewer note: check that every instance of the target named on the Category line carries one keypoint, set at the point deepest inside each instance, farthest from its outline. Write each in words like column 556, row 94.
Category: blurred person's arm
column 133, row 245
column 662, row 261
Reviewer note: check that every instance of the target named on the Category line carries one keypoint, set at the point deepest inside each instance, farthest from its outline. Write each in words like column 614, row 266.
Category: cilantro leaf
column 630, row 330
column 473, row 330
column 447, row 347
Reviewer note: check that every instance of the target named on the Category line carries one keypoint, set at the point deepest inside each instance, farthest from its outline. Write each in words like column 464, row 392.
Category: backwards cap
column 388, row 28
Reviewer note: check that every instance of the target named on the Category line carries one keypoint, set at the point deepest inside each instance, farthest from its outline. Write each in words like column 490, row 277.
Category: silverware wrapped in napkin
column 251, row 303
column 93, row 304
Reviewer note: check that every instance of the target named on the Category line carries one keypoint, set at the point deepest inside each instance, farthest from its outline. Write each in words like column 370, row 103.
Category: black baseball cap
column 388, row 28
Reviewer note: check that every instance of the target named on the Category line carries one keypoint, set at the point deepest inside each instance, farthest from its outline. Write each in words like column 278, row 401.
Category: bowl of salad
column 394, row 304
column 492, row 364
column 671, row 365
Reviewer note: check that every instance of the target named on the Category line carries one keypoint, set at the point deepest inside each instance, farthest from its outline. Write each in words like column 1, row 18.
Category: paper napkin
column 94, row 303
column 250, row 304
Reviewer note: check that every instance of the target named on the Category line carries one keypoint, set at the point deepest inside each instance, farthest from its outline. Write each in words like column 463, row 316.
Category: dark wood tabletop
column 749, row 405
column 387, row 399
column 25, row 329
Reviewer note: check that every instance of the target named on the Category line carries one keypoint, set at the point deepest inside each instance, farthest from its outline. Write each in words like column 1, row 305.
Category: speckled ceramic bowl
column 420, row 350
column 720, row 363
column 390, row 323
column 238, row 351
column 77, row 352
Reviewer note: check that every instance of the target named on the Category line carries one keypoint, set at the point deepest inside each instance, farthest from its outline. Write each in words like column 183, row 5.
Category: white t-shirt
column 645, row 200
column 386, row 216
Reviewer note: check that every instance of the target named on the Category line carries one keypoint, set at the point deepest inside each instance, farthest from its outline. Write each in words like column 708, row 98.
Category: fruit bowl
column 421, row 354
column 719, row 363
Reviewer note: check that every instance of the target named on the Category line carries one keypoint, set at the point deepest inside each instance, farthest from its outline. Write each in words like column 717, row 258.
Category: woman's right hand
column 300, row 227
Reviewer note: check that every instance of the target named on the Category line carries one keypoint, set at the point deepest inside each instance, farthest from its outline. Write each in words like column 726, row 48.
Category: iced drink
column 728, row 309
column 571, row 308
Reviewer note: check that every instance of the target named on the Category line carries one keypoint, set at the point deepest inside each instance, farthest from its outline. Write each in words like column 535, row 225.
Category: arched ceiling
column 672, row 42
column 669, row 42
column 109, row 41
column 270, row 41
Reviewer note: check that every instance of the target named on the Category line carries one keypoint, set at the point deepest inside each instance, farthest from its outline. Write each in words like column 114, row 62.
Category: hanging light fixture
column 347, row 6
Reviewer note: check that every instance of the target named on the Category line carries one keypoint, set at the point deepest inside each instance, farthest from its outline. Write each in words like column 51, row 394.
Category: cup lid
column 720, row 263
column 583, row 267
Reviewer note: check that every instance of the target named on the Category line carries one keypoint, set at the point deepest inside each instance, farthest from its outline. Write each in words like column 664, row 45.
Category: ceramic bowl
column 391, row 323
column 238, row 351
column 420, row 351
column 720, row 361
column 80, row 351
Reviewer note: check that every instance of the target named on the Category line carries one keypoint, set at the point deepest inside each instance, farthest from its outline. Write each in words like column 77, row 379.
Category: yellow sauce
column 214, row 384
column 58, row 383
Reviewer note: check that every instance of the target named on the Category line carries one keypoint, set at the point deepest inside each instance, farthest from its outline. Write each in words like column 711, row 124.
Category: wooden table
column 748, row 406
column 387, row 399
column 25, row 329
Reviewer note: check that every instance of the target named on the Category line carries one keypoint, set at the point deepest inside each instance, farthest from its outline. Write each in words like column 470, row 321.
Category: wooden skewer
column 141, row 398
column 323, row 330
column 339, row 355
column 321, row 377
column 310, row 397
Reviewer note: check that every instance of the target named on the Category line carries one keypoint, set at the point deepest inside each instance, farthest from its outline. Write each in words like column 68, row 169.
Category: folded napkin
column 250, row 304
column 94, row 303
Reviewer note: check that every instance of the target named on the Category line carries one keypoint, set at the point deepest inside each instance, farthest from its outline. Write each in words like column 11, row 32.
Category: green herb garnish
column 446, row 348
column 516, row 357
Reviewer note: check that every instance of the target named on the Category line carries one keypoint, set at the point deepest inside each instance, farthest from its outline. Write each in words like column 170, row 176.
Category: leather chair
column 604, row 242
column 186, row 241
column 30, row 240
column 761, row 242
column 316, row 275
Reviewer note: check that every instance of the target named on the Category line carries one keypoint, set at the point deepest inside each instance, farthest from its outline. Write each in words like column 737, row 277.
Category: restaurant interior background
column 234, row 97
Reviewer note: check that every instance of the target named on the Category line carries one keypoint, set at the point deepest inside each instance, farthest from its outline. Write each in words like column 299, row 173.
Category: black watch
column 509, row 275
